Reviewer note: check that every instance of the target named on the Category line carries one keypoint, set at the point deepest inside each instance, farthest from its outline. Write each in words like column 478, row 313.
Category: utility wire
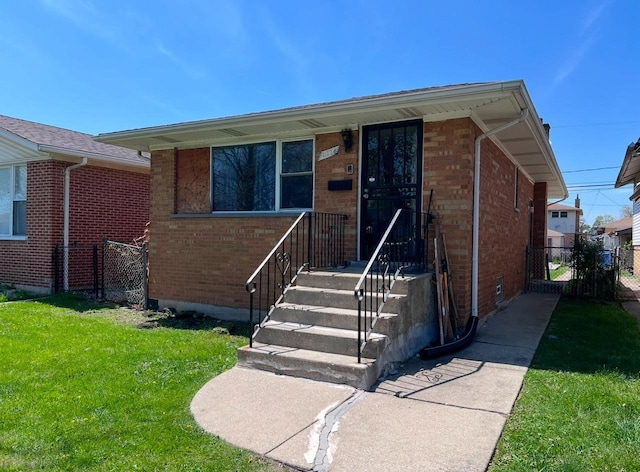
column 589, row 170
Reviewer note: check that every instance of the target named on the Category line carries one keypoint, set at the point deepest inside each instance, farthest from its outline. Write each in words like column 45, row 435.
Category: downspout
column 476, row 207
column 65, row 230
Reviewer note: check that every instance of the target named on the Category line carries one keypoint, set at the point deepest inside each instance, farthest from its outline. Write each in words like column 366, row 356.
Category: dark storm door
column 391, row 179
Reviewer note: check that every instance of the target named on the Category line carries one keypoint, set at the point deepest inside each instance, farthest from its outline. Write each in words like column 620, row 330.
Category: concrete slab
column 392, row 434
column 261, row 411
column 520, row 324
column 444, row 414
column 458, row 382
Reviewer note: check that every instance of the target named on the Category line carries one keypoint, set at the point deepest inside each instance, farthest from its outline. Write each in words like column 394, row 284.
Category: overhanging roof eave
column 357, row 105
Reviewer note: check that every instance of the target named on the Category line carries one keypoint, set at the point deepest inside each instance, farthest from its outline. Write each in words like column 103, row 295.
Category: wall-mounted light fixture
column 347, row 139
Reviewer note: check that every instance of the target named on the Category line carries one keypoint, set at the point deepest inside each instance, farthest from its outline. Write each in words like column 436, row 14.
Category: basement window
column 258, row 177
column 13, row 201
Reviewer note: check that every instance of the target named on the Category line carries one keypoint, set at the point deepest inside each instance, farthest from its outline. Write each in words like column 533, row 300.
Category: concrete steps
column 313, row 333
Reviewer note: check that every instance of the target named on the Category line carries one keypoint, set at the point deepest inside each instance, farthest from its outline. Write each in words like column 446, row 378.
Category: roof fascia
column 542, row 139
column 94, row 156
column 19, row 140
column 622, row 178
column 494, row 89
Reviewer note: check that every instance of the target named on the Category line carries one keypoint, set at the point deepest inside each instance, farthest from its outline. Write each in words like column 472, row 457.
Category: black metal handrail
column 314, row 240
column 401, row 247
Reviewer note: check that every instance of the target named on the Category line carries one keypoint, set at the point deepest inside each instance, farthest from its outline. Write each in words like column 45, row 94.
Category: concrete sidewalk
column 445, row 414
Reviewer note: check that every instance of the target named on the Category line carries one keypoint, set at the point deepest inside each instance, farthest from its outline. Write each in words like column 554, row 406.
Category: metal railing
column 401, row 248
column 314, row 240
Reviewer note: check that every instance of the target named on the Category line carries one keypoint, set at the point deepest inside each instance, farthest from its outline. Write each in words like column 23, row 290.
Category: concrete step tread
column 326, row 309
column 318, row 357
column 318, row 330
column 303, row 288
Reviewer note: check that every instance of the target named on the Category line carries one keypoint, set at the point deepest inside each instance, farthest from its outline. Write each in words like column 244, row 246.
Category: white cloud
column 84, row 14
column 588, row 35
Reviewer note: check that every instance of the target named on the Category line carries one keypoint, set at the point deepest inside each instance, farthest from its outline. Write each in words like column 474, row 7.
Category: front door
column 391, row 179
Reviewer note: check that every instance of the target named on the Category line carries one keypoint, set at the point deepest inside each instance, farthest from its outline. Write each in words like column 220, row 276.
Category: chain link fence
column 124, row 274
column 629, row 273
column 582, row 270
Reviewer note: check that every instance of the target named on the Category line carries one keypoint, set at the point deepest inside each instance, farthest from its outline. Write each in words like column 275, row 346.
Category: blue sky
column 108, row 65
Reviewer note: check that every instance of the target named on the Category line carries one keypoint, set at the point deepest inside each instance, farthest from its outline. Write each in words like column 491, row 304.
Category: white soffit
column 489, row 105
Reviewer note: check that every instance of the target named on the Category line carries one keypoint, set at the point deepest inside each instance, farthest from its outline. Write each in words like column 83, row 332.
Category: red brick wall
column 449, row 170
column 206, row 259
column 338, row 201
column 504, row 231
column 448, row 164
column 105, row 202
column 201, row 259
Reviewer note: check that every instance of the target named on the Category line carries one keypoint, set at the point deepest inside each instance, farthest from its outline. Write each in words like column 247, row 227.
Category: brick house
column 209, row 233
column 60, row 187
column 630, row 174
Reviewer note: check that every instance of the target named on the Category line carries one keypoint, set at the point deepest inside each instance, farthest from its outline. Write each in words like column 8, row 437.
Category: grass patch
column 9, row 293
column 83, row 388
column 555, row 273
column 579, row 408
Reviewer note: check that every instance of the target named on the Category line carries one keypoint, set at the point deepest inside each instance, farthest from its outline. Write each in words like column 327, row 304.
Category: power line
column 585, row 125
column 590, row 170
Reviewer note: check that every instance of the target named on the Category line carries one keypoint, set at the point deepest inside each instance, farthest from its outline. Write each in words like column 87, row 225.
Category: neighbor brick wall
column 28, row 262
column 104, row 202
column 107, row 203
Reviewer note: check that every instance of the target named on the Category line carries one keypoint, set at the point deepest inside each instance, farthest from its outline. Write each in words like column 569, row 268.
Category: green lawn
column 579, row 409
column 555, row 273
column 83, row 388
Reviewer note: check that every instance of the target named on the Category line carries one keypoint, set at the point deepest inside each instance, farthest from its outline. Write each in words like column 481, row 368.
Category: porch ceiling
column 488, row 104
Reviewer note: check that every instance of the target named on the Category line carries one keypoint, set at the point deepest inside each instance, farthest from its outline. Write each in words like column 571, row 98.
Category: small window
column 554, row 214
column 296, row 178
column 563, row 214
column 13, row 201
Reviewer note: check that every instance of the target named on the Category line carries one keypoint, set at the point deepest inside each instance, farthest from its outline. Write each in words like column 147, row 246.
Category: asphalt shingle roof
column 46, row 135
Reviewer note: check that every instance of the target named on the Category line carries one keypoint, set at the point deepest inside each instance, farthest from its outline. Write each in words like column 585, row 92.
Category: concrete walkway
column 445, row 414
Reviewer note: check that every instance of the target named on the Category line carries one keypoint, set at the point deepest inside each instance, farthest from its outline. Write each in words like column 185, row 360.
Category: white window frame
column 555, row 214
column 279, row 173
column 278, row 176
column 12, row 198
column 563, row 214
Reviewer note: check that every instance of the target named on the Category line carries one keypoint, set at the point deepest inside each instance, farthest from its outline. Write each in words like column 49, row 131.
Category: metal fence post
column 95, row 269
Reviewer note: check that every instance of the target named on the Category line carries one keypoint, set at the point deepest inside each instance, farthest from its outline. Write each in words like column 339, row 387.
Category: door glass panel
column 391, row 163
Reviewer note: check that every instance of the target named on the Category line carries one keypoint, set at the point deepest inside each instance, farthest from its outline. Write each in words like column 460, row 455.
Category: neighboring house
column 224, row 190
column 630, row 174
column 566, row 220
column 60, row 187
column 620, row 231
